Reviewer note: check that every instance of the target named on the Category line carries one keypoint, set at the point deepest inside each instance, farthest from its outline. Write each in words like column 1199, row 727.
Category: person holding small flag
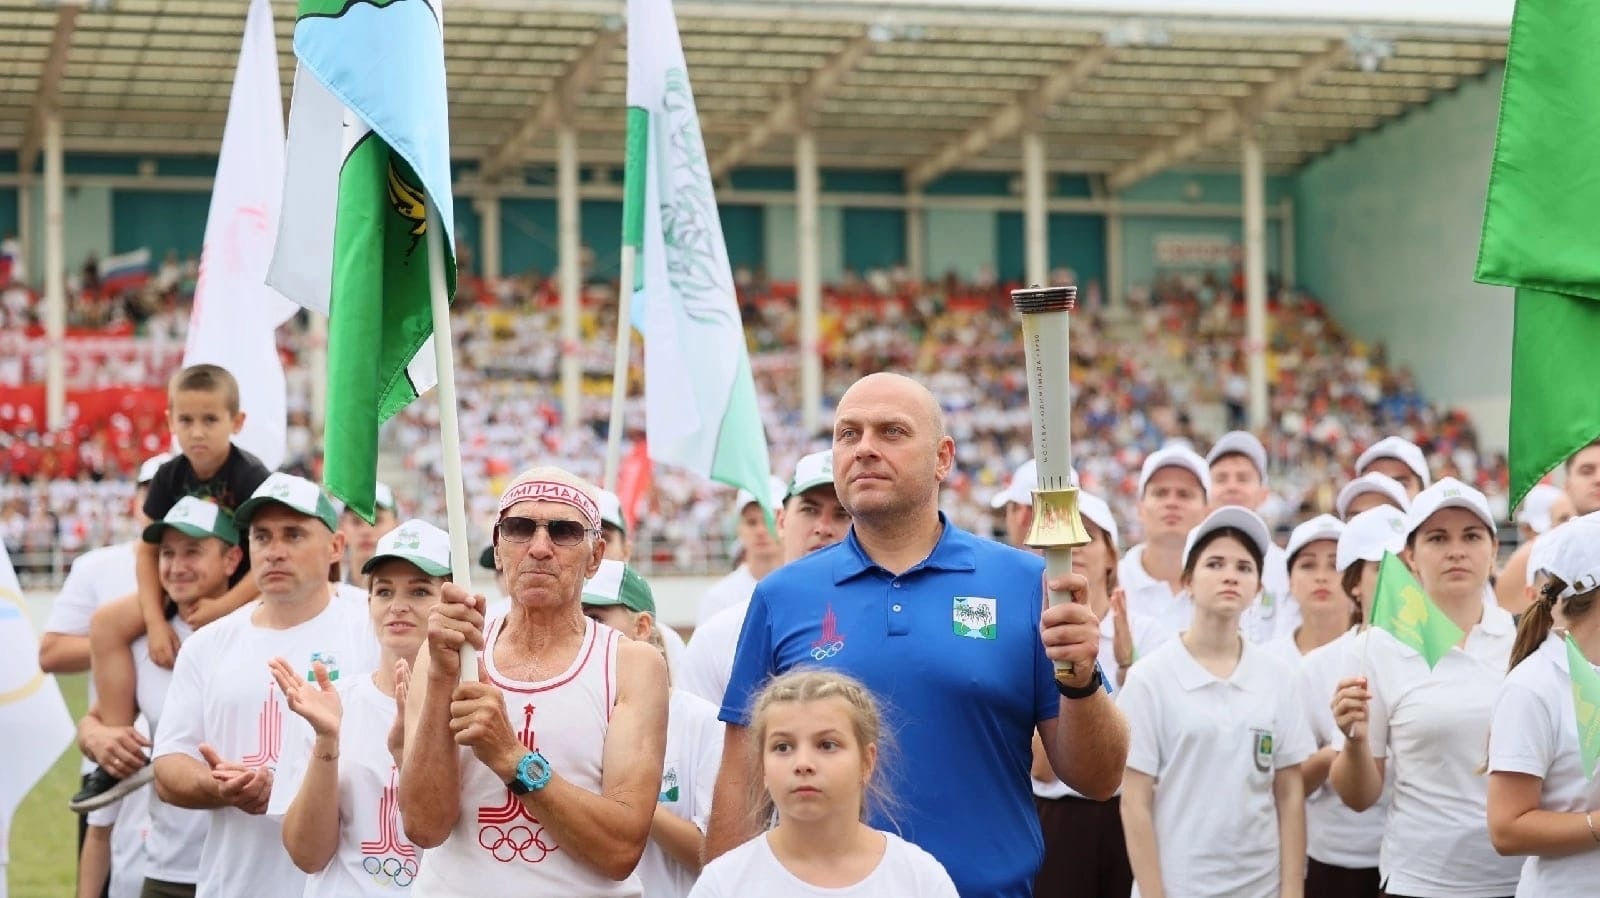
column 1545, row 737
column 1430, row 667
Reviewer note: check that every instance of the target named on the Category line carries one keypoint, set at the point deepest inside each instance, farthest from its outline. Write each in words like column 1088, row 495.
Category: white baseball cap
column 1370, row 534
column 1094, row 509
column 1323, row 526
column 1020, row 490
column 418, row 542
column 1448, row 493
column 1403, row 451
column 1536, row 506
column 1176, row 456
column 1371, row 482
column 611, row 509
column 1240, row 442
column 147, row 471
column 777, row 488
column 1235, row 516
column 1575, row 559
column 1544, row 550
column 811, row 471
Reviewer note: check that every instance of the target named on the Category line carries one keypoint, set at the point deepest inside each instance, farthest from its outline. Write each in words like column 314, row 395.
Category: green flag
column 1586, row 704
column 1400, row 607
column 1538, row 230
column 368, row 177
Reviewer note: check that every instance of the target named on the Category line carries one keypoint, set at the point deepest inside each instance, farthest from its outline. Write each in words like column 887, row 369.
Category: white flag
column 33, row 715
column 236, row 315
column 700, row 397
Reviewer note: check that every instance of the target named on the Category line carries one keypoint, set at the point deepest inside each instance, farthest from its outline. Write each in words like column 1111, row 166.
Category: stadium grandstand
column 1270, row 217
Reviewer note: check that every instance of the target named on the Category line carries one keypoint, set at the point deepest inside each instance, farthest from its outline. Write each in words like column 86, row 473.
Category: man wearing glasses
column 538, row 776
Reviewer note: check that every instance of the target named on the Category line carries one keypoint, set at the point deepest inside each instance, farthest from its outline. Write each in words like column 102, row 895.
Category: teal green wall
column 529, row 240
column 960, row 240
column 160, row 220
column 86, row 226
column 8, row 212
column 1076, row 241
column 874, row 238
column 1387, row 229
column 744, row 229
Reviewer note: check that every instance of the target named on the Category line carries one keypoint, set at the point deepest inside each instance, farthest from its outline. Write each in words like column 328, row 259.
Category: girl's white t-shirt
column 906, row 871
column 1335, row 834
column 374, row 857
column 1535, row 732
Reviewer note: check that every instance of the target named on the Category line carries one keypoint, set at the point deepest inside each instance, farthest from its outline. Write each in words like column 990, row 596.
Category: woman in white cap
column 1541, row 802
column 1212, row 800
column 1400, row 459
column 1084, row 851
column 336, row 791
column 1324, row 609
column 1370, row 491
column 1432, row 724
column 1342, row 844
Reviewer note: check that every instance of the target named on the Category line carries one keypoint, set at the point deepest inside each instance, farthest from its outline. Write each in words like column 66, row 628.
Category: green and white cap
column 810, row 471
column 197, row 518
column 418, row 542
column 293, row 492
column 617, row 584
column 611, row 509
column 382, row 497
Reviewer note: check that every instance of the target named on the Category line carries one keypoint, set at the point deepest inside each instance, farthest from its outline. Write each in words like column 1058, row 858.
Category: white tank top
column 497, row 847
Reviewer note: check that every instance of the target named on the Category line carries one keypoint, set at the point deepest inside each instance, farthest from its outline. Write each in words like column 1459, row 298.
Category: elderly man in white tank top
column 539, row 776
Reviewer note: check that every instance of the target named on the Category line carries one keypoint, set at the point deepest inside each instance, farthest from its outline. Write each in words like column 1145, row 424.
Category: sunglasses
column 515, row 529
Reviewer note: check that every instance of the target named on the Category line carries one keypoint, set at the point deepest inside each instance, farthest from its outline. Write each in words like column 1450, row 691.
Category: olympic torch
column 1056, row 524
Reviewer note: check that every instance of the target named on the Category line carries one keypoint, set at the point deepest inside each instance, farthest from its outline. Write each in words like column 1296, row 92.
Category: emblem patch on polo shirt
column 831, row 642
column 974, row 617
column 1263, row 749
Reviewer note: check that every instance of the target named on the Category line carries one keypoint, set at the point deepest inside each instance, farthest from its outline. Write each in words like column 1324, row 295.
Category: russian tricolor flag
column 125, row 271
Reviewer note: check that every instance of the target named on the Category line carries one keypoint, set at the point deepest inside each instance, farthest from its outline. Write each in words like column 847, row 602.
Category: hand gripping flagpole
column 444, row 355
column 1057, row 526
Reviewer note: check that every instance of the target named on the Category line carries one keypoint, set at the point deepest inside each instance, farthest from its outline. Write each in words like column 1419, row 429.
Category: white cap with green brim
column 197, row 518
column 382, row 497
column 417, row 541
column 617, row 584
column 810, row 471
column 295, row 493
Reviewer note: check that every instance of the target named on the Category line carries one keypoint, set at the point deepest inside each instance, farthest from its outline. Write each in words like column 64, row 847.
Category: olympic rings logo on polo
column 516, row 843
column 398, row 872
column 550, row 491
column 831, row 641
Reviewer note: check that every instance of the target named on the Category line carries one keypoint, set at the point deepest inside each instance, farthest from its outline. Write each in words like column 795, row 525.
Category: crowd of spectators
column 1169, row 364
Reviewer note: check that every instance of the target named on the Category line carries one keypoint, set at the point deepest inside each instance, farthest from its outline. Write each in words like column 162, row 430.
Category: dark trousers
column 83, row 832
column 1328, row 881
column 1085, row 855
column 155, row 888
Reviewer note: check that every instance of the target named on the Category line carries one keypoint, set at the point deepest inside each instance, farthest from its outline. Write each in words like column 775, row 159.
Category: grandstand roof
column 925, row 88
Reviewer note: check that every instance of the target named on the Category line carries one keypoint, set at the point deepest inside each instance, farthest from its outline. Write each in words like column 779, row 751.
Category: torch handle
column 1057, row 562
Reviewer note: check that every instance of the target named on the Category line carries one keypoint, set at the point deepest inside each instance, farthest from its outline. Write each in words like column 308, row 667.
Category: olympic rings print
column 516, row 843
column 824, row 652
column 399, row 872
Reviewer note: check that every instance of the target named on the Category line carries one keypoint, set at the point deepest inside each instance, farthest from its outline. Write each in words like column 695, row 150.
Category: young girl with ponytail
column 1540, row 802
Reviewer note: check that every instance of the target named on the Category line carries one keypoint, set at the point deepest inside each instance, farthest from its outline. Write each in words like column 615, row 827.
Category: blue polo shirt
column 951, row 650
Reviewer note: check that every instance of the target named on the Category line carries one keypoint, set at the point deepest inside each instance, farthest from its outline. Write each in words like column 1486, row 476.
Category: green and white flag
column 368, row 174
column 700, row 398
column 1585, row 705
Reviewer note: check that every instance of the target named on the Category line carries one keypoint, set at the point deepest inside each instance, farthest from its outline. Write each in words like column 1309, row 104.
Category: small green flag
column 1400, row 607
column 1586, row 704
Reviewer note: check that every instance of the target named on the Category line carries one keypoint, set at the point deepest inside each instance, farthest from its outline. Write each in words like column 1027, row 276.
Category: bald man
column 945, row 628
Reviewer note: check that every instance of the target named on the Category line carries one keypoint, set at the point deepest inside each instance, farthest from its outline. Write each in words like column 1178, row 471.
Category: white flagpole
column 444, row 354
column 619, row 367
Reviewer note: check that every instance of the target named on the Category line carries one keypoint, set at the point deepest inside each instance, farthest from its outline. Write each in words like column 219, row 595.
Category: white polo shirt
column 1261, row 622
column 688, row 773
column 1214, row 747
column 1535, row 732
column 1335, row 834
column 736, row 587
column 97, row 577
column 708, row 660
column 1433, row 726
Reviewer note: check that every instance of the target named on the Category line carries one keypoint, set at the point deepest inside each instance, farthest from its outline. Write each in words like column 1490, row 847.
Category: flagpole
column 619, row 366
column 444, row 355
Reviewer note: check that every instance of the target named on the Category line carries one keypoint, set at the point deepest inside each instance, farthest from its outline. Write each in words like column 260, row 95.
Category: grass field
column 44, row 834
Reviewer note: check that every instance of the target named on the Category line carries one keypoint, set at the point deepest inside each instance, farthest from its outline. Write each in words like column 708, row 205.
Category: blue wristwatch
column 533, row 773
